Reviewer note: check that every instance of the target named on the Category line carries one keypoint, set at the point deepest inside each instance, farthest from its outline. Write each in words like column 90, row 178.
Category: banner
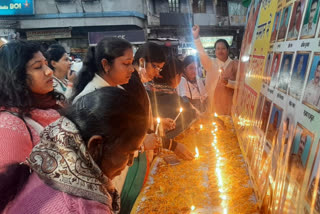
column 277, row 104
column 16, row 7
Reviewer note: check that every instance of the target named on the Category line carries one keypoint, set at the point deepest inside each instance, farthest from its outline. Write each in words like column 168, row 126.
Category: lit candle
column 181, row 109
column 193, row 208
column 158, row 123
column 197, row 153
column 201, row 126
column 215, row 114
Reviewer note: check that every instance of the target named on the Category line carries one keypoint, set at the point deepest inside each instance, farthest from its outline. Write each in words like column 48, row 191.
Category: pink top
column 15, row 140
column 37, row 197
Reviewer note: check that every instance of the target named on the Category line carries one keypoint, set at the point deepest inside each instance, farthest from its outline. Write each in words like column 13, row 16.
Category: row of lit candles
column 218, row 170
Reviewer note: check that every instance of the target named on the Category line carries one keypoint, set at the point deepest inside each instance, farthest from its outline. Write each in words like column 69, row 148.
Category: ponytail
column 108, row 48
column 86, row 73
column 12, row 181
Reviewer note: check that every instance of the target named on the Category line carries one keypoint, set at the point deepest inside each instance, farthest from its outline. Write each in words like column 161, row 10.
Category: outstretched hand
column 182, row 152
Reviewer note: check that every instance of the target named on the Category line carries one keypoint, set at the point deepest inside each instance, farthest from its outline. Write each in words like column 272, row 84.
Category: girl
column 58, row 61
column 191, row 87
column 27, row 100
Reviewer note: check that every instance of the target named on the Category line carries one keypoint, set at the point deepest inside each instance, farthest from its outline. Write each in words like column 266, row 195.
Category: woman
column 78, row 156
column 148, row 62
column 110, row 64
column 221, row 74
column 58, row 61
column 191, row 87
column 107, row 64
column 165, row 102
column 27, row 100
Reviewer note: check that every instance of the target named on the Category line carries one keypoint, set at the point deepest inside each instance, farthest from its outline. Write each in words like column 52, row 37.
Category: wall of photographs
column 277, row 104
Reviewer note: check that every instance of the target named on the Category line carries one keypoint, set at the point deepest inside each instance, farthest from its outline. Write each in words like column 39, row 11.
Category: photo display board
column 276, row 108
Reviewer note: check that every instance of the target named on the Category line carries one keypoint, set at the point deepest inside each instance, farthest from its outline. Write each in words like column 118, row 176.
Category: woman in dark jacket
column 166, row 103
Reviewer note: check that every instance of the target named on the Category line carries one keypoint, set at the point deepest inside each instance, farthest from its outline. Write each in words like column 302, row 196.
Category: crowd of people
column 84, row 143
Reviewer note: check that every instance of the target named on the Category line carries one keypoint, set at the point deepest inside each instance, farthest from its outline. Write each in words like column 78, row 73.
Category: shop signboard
column 16, row 7
column 133, row 36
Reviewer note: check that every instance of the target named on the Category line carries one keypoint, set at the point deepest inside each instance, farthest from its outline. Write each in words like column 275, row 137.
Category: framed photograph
column 274, row 126
column 298, row 74
column 267, row 69
column 311, row 97
column 284, row 75
column 299, row 153
column 265, row 114
column 296, row 19
column 275, row 27
column 274, row 69
column 310, row 20
column 313, row 189
column 284, row 23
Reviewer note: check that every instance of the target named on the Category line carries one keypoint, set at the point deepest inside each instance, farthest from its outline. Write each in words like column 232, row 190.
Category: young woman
column 58, row 61
column 221, row 74
column 27, row 99
column 191, row 87
column 107, row 64
column 77, row 158
column 110, row 64
column 165, row 103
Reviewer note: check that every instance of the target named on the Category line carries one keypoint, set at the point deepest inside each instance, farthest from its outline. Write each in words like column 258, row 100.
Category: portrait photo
column 265, row 114
column 275, row 27
column 274, row 69
column 310, row 19
column 311, row 96
column 313, row 189
column 296, row 19
column 267, row 69
column 298, row 75
column 274, row 126
column 299, row 154
column 284, row 74
column 284, row 22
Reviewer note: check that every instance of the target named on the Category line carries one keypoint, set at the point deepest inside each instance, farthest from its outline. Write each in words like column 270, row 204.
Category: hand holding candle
column 181, row 109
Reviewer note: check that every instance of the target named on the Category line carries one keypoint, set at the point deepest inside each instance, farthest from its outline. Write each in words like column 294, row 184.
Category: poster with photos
column 298, row 74
column 275, row 69
column 275, row 27
column 299, row 153
column 311, row 19
column 296, row 19
column 287, row 112
column 284, row 74
column 284, row 23
column 311, row 96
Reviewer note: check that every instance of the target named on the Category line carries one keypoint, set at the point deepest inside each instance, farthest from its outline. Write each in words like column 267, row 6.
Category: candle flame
column 201, row 126
column 197, row 153
column 215, row 114
column 220, row 70
column 158, row 120
column 193, row 208
column 181, row 109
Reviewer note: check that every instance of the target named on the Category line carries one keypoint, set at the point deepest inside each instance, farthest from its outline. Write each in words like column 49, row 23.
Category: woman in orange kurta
column 221, row 75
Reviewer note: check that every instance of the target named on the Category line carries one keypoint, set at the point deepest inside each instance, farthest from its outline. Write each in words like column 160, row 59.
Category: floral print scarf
column 63, row 162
